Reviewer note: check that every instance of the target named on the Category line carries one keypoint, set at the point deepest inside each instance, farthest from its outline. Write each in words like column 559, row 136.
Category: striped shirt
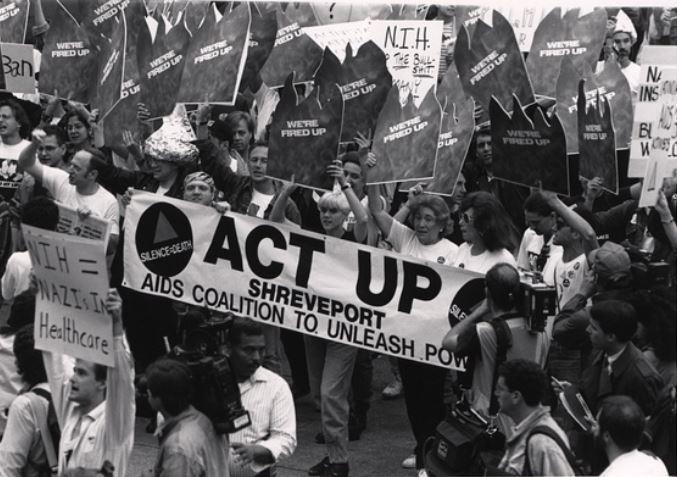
column 269, row 401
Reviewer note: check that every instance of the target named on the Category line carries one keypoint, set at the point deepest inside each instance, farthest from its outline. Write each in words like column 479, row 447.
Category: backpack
column 550, row 432
column 52, row 437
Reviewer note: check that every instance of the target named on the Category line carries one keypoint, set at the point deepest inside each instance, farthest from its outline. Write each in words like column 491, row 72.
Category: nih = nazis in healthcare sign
column 295, row 279
column 72, row 279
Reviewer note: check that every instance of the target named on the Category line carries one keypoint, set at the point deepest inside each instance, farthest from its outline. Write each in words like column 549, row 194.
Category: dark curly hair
column 20, row 116
column 491, row 221
column 526, row 377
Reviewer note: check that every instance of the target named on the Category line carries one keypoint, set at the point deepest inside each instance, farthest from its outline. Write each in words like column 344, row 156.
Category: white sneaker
column 392, row 390
column 422, row 473
column 409, row 462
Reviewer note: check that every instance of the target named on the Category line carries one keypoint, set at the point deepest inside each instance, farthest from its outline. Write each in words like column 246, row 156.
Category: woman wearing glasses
column 489, row 234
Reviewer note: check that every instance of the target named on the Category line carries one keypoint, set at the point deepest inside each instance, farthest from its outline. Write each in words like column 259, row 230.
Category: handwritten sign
column 337, row 36
column 70, row 315
column 655, row 115
column 412, row 51
column 17, row 68
column 91, row 227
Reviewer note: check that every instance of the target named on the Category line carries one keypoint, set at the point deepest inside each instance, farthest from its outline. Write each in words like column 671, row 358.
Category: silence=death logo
column 164, row 239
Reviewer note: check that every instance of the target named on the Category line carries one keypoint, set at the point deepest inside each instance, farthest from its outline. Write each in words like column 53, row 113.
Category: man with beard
column 624, row 37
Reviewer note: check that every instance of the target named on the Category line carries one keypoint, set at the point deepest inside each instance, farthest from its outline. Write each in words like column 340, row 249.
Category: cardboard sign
column 557, row 37
column 215, row 58
column 655, row 111
column 304, row 137
column 596, row 140
column 69, row 60
column 338, row 36
column 108, row 90
column 123, row 115
column 292, row 278
column 346, row 13
column 13, row 20
column 408, row 11
column 405, row 140
column 70, row 312
column 364, row 81
column 490, row 64
column 91, row 227
column 458, row 126
column 194, row 14
column 658, row 167
column 529, row 151
column 610, row 83
column 102, row 15
column 161, row 66
column 17, row 69
column 412, row 50
column 293, row 50
column 262, row 33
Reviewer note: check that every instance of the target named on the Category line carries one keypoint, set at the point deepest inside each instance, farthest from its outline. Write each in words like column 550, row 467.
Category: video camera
column 645, row 273
column 536, row 302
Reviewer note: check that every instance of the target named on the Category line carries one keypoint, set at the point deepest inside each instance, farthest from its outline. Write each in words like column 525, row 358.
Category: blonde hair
column 334, row 200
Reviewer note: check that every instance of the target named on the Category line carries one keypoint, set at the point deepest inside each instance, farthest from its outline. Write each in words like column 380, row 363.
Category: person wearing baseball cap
column 611, row 264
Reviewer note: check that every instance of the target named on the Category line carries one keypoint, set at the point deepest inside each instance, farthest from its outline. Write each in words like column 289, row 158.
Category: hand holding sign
column 304, row 137
column 529, row 150
column 596, row 140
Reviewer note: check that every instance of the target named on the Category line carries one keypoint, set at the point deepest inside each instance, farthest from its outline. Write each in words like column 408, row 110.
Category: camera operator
column 95, row 404
column 620, row 430
column 189, row 446
column 272, row 433
column 477, row 336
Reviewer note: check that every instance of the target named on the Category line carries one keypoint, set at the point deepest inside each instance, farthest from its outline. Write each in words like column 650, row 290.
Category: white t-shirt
column 102, row 203
column 530, row 249
column 404, row 241
column 17, row 276
column 259, row 204
column 635, row 463
column 570, row 276
column 484, row 261
column 10, row 178
column 631, row 73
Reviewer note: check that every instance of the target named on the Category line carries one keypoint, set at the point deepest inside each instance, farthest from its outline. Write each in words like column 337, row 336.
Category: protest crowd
column 211, row 210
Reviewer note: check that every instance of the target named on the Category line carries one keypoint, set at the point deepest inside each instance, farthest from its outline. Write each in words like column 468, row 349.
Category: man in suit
column 617, row 366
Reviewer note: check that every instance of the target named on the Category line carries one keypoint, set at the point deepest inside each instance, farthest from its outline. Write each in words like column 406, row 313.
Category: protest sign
column 654, row 110
column 412, row 49
column 90, row 227
column 609, row 83
column 13, row 20
column 658, row 166
column 458, row 126
column 215, row 58
column 193, row 13
column 405, row 139
column 101, row 16
column 346, row 13
column 160, row 65
column 364, row 81
column 72, row 279
column 108, row 89
column 293, row 50
column 579, row 39
column 408, row 11
column 17, row 69
column 262, row 32
column 304, row 136
column 292, row 278
column 596, row 140
column 123, row 116
column 78, row 9
column 337, row 36
column 490, row 64
column 69, row 60
column 529, row 150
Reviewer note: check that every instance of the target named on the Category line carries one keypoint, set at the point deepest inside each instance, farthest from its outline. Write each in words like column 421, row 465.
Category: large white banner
column 70, row 316
column 288, row 277
column 412, row 49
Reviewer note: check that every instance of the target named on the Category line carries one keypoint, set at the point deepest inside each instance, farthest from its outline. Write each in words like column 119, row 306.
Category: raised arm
column 277, row 213
column 27, row 159
column 335, row 170
column 667, row 220
column 573, row 220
